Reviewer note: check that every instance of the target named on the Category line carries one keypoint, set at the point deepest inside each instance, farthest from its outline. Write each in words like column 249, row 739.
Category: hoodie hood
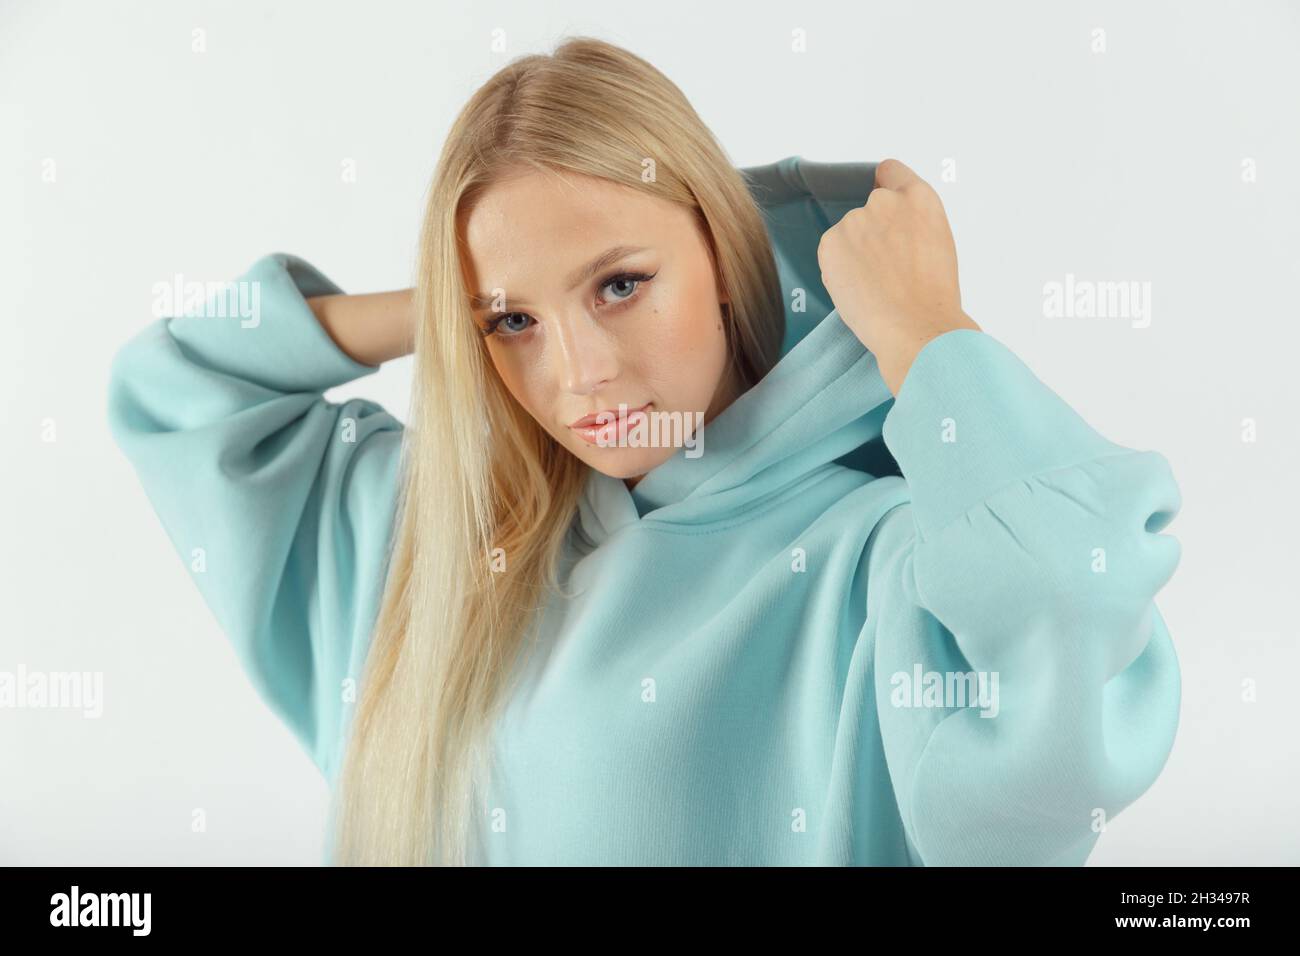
column 823, row 403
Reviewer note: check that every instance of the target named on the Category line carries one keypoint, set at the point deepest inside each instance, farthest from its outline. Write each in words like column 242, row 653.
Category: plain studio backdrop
column 1155, row 144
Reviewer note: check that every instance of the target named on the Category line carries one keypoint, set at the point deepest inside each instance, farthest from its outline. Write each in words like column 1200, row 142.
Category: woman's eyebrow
column 481, row 301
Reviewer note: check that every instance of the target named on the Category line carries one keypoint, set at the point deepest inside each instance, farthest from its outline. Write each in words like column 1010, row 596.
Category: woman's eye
column 508, row 325
column 513, row 324
column 509, row 319
column 626, row 285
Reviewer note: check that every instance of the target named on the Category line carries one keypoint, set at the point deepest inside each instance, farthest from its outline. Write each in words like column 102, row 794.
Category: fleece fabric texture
column 771, row 656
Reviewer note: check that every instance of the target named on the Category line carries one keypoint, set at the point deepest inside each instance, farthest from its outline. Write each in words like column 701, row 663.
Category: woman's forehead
column 526, row 222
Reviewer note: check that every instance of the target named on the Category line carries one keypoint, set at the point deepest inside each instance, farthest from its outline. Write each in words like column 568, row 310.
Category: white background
column 1121, row 165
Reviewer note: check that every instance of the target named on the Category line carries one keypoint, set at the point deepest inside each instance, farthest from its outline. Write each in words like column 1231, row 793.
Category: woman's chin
column 624, row 462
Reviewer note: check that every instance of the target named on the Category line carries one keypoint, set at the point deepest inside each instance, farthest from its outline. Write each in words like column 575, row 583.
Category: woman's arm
column 1023, row 572
column 279, row 501
column 1027, row 566
column 371, row 328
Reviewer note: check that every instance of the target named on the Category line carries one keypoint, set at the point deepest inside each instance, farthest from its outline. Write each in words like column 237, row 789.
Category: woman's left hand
column 890, row 267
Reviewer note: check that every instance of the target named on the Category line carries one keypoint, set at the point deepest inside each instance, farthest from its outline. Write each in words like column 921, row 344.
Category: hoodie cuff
column 970, row 418
column 260, row 328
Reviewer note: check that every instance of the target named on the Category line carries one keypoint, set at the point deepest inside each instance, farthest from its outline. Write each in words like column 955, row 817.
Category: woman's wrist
column 370, row 328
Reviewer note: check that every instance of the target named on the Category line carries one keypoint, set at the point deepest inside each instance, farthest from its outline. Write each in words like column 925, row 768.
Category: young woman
column 510, row 635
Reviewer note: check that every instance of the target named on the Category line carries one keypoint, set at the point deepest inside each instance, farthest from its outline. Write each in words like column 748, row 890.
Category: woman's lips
column 614, row 431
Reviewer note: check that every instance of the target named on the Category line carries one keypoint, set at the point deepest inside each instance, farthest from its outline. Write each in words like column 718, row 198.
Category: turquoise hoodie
column 855, row 630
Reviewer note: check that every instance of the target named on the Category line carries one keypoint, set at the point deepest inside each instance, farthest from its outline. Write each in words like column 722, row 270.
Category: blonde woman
column 868, row 592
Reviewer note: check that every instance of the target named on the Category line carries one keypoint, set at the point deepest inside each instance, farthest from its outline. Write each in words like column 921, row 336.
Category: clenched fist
column 891, row 270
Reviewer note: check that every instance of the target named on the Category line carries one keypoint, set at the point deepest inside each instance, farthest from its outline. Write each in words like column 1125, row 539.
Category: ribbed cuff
column 970, row 418
column 260, row 328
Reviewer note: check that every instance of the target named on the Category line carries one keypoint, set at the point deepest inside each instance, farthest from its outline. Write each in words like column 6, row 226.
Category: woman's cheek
column 683, row 359
column 681, row 330
column 695, row 339
column 522, row 380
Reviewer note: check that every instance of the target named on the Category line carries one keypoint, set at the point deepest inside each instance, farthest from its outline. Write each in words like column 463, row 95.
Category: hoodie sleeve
column 279, row 502
column 1027, row 689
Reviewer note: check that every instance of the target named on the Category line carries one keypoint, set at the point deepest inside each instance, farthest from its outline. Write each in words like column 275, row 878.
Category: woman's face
column 597, row 296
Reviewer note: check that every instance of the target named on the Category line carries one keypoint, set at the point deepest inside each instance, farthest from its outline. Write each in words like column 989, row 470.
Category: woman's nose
column 587, row 358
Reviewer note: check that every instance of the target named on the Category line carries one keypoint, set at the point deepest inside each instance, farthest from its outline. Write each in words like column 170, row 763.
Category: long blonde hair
column 452, row 621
